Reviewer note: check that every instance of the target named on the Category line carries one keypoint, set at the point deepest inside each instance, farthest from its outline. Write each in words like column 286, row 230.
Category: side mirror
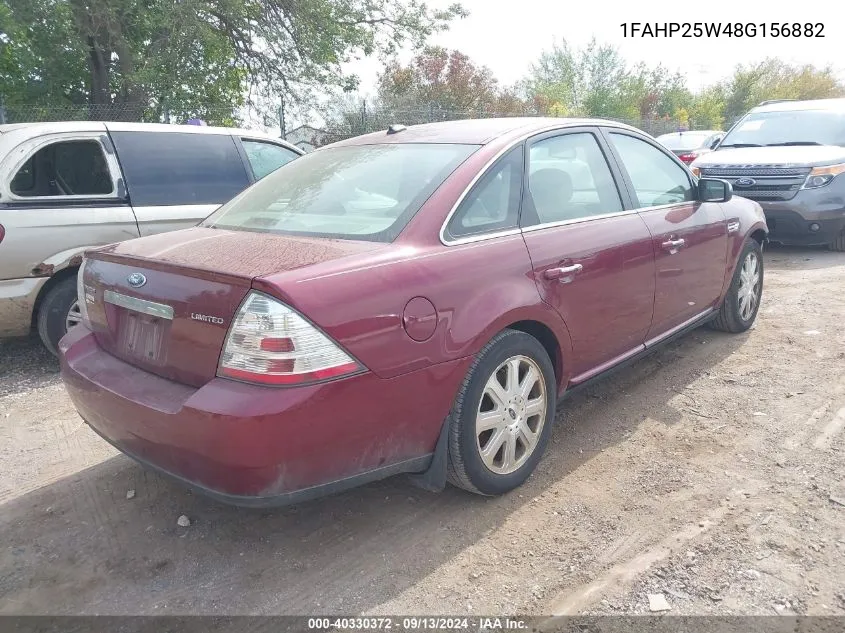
column 715, row 142
column 714, row 190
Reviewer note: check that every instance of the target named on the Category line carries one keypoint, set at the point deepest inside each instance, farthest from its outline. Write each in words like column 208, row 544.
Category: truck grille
column 771, row 183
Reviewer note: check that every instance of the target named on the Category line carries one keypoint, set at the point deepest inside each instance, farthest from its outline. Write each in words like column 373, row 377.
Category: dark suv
column 789, row 156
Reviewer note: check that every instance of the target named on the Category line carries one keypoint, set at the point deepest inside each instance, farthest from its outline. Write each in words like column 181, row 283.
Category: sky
column 508, row 36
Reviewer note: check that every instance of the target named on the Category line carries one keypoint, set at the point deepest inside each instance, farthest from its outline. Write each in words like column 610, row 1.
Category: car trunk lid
column 164, row 303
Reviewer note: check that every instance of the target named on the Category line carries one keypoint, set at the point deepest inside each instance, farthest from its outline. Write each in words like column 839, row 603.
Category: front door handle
column 563, row 272
column 673, row 245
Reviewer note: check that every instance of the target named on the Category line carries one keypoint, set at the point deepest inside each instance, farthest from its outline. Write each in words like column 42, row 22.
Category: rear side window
column 65, row 168
column 164, row 168
column 493, row 203
column 265, row 158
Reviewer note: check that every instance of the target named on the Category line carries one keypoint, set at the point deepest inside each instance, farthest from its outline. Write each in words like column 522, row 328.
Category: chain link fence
column 341, row 125
column 130, row 112
column 354, row 123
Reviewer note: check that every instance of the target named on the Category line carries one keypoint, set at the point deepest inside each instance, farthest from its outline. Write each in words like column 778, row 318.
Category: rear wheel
column 502, row 417
column 739, row 309
column 58, row 312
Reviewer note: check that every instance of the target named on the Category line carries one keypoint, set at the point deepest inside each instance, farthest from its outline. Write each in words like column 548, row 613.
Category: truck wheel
column 838, row 244
column 59, row 311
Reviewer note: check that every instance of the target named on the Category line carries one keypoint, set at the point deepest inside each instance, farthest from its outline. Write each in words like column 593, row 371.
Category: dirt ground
column 709, row 474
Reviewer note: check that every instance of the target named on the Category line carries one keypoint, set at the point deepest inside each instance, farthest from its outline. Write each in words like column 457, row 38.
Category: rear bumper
column 260, row 446
column 17, row 301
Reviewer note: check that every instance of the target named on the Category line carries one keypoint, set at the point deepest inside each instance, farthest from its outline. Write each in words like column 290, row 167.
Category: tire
column 513, row 420
column 53, row 313
column 838, row 244
column 736, row 315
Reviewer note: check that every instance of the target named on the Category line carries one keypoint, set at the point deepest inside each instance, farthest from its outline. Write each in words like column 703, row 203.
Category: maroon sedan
column 411, row 301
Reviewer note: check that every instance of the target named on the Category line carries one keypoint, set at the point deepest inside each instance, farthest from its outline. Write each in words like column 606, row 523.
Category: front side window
column 265, row 158
column 568, row 179
column 180, row 168
column 657, row 179
column 493, row 203
column 361, row 192
column 64, row 168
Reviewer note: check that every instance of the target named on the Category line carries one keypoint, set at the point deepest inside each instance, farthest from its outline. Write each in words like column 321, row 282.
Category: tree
column 707, row 110
column 596, row 81
column 775, row 79
column 145, row 57
column 555, row 82
column 441, row 79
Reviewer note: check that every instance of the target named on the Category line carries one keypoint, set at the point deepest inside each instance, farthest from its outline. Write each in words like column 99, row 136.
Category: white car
column 66, row 187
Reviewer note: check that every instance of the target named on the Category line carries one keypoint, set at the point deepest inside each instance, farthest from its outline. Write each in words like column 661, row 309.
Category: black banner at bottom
column 377, row 624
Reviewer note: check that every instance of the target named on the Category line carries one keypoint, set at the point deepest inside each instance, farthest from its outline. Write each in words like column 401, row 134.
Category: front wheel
column 838, row 244
column 501, row 420
column 739, row 309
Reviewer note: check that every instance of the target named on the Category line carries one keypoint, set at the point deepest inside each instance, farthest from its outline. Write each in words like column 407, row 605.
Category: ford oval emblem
column 136, row 280
column 745, row 182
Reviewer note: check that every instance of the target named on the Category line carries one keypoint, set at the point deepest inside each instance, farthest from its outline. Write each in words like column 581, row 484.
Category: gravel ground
column 705, row 479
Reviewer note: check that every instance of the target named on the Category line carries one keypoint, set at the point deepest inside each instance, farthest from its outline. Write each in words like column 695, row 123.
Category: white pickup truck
column 66, row 187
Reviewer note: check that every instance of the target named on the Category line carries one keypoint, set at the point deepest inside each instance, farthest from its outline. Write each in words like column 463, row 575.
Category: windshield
column 687, row 140
column 361, row 192
column 796, row 127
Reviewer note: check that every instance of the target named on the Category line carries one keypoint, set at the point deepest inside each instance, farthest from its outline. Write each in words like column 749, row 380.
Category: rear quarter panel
column 477, row 289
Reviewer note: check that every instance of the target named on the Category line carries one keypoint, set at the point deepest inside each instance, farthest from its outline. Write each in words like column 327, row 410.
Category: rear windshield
column 688, row 140
column 795, row 127
column 362, row 192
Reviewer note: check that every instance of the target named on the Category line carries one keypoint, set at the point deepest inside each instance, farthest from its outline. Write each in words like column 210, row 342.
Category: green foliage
column 775, row 79
column 443, row 79
column 596, row 81
column 145, row 58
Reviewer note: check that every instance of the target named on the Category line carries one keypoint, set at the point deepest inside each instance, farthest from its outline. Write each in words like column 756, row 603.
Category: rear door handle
column 563, row 272
column 672, row 245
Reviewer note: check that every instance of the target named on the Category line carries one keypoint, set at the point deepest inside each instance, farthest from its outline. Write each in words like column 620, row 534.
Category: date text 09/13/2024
column 728, row 29
column 417, row 623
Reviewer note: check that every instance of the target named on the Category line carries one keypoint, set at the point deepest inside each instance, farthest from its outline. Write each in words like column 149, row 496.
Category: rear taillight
column 2, row 232
column 688, row 158
column 270, row 343
column 84, row 294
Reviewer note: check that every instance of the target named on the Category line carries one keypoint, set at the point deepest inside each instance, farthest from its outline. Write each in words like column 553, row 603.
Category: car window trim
column 610, row 156
column 633, row 199
column 600, row 141
column 34, row 145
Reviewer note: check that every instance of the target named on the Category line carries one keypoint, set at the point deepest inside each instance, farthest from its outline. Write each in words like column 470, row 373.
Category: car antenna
column 396, row 128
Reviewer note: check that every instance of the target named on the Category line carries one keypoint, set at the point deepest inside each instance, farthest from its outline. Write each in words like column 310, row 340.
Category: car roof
column 472, row 131
column 834, row 105
column 22, row 131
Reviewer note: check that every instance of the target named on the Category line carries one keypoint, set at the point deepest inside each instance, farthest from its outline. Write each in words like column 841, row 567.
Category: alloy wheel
column 748, row 294
column 74, row 316
column 511, row 415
